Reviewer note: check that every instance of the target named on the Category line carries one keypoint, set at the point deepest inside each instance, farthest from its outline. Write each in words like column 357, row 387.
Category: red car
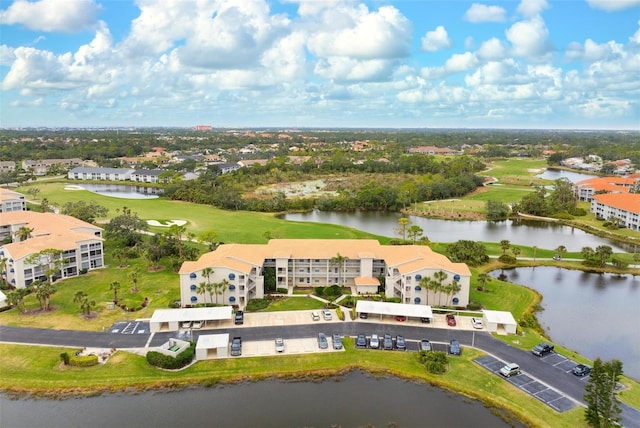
column 401, row 318
column 451, row 320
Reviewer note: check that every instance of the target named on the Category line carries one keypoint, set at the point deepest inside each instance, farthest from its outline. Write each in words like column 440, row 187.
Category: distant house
column 252, row 162
column 226, row 167
column 41, row 167
column 7, row 166
column 623, row 207
column 584, row 190
column 432, row 150
column 147, row 175
column 12, row 201
column 111, row 174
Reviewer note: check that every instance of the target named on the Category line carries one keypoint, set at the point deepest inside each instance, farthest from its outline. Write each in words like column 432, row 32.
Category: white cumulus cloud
column 483, row 13
column 529, row 38
column 531, row 8
column 66, row 16
column 436, row 40
column 613, row 5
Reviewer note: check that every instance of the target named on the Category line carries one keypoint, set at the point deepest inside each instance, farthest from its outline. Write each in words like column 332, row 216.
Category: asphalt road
column 568, row 384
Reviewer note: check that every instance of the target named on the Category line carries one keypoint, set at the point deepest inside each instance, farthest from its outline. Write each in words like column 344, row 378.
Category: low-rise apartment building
column 623, row 208
column 111, row 174
column 12, row 201
column 80, row 244
column 363, row 265
column 585, row 189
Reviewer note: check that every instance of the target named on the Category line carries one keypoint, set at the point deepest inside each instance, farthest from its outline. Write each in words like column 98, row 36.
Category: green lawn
column 520, row 170
column 231, row 226
column 37, row 370
column 294, row 304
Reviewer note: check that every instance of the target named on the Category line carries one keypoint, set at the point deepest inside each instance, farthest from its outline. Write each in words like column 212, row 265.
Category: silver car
column 279, row 345
column 374, row 342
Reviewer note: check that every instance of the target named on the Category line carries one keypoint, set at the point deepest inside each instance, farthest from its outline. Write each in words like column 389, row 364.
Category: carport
column 210, row 346
column 393, row 309
column 501, row 322
column 171, row 319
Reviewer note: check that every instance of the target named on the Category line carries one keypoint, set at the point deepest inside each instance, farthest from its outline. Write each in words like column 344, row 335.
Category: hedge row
column 167, row 362
column 83, row 360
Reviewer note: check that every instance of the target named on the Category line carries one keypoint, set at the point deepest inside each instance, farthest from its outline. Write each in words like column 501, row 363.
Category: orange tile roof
column 627, row 202
column 610, row 184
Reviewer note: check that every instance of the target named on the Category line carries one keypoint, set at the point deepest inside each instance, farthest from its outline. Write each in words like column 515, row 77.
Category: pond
column 124, row 191
column 521, row 232
column 574, row 177
column 356, row 399
column 594, row 314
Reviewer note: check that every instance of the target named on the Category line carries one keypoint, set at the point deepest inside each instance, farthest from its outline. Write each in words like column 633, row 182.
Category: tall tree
column 414, row 232
column 505, row 244
column 125, row 228
column 23, row 233
column 115, row 287
column 134, row 275
column 44, row 291
column 48, row 259
column 210, row 239
column 603, row 406
column 483, row 279
column 438, row 284
column 85, row 211
column 201, row 289
column 497, row 210
column 339, row 261
column 516, row 251
column 221, row 287
column 603, row 252
column 16, row 298
column 561, row 250
column 403, row 224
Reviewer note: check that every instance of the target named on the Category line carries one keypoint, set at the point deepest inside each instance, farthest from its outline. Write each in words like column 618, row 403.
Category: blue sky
column 320, row 63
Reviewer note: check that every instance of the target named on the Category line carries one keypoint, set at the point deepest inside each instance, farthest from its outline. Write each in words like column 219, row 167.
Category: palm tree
column 587, row 252
column 85, row 304
column 483, row 278
column 439, row 278
column 44, row 290
column 201, row 289
column 23, row 233
column 16, row 298
column 505, row 244
column 516, row 251
column 221, row 287
column 134, row 276
column 339, row 261
column 115, row 287
column 425, row 282
column 119, row 253
column 453, row 288
column 603, row 252
column 561, row 250
column 3, row 269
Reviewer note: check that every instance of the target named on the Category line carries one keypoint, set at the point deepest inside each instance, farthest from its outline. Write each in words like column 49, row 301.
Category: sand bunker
column 167, row 223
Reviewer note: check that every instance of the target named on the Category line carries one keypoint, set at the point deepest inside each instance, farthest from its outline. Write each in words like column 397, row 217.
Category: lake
column 574, row 177
column 521, row 232
column 354, row 400
column 124, row 191
column 596, row 315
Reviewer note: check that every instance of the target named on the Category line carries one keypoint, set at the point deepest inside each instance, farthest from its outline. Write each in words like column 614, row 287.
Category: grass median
column 36, row 370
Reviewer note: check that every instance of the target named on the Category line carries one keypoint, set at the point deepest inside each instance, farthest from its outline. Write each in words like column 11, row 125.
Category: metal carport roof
column 394, row 309
column 192, row 314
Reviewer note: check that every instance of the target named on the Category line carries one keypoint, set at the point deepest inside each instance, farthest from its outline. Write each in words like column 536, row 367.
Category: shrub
column 474, row 306
column 65, row 358
column 339, row 313
column 257, row 304
column 282, row 290
column 563, row 216
column 507, row 259
column 319, row 291
column 83, row 271
column 168, row 362
column 434, row 362
column 83, row 360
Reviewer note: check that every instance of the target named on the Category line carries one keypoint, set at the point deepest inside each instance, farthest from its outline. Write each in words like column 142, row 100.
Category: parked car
column 337, row 341
column 557, row 257
column 401, row 345
column 425, row 345
column 198, row 324
column 315, row 316
column 239, row 320
column 236, row 346
column 477, row 323
column 361, row 341
column 542, row 349
column 581, row 370
column 401, row 318
column 374, row 341
column 387, row 342
column 326, row 314
column 425, row 320
column 454, row 347
column 186, row 324
column 451, row 320
column 322, row 341
column 279, row 345
column 510, row 369
column 364, row 315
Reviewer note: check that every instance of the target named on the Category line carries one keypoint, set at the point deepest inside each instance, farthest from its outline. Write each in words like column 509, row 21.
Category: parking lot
column 537, row 389
column 263, row 348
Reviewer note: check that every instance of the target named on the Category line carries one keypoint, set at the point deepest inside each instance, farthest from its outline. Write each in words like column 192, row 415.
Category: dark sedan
column 581, row 370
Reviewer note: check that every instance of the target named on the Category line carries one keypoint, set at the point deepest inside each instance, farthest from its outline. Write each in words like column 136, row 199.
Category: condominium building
column 623, row 208
column 12, row 201
column 585, row 189
column 33, row 232
column 365, row 266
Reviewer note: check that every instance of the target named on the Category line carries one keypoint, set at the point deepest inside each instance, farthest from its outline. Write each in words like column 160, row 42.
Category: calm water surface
column 594, row 314
column 574, row 177
column 522, row 232
column 123, row 191
column 354, row 400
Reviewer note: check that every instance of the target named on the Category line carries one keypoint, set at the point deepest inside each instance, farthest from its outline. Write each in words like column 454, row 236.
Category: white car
column 510, row 369
column 279, row 345
column 374, row 342
column 326, row 313
column 477, row 323
column 198, row 324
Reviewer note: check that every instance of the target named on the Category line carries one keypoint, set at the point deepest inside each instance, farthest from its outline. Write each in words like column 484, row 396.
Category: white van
column 315, row 316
